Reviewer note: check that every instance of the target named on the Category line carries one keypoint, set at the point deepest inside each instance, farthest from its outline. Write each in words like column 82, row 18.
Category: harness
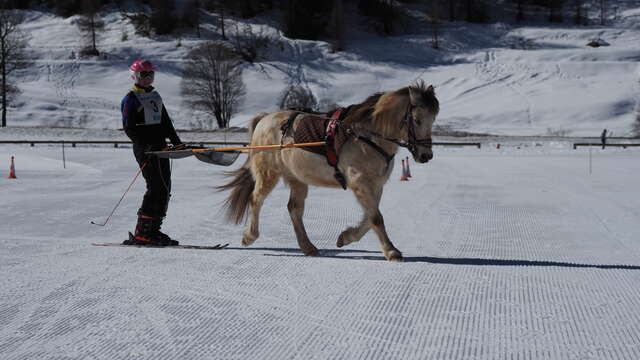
column 334, row 127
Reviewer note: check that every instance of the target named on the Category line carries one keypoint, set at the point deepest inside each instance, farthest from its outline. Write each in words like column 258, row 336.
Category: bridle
column 412, row 142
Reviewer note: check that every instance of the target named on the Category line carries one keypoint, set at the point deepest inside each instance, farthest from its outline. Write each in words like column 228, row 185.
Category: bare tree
column 224, row 35
column 452, row 10
column 337, row 27
column 90, row 24
column 579, row 18
column 13, row 56
column 191, row 16
column 197, row 15
column 435, row 24
column 212, row 81
column 555, row 10
column 248, row 42
column 219, row 6
column 603, row 11
column 163, row 18
column 520, row 11
column 297, row 94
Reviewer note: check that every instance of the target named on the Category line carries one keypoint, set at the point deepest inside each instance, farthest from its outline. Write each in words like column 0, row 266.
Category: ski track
column 527, row 286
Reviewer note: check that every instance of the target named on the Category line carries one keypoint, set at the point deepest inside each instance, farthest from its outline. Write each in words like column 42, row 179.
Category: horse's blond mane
column 384, row 110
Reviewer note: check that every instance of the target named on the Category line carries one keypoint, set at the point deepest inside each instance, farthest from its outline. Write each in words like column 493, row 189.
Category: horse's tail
column 242, row 185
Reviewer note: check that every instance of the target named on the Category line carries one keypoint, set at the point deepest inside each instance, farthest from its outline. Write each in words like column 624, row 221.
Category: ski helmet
column 139, row 66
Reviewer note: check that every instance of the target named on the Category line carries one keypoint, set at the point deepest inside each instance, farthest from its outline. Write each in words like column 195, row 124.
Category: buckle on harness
column 332, row 155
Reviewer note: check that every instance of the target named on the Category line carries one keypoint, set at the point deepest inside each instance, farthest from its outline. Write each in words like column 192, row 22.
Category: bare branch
column 212, row 81
column 13, row 56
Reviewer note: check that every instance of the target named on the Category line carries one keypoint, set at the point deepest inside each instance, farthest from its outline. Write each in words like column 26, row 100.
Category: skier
column 146, row 122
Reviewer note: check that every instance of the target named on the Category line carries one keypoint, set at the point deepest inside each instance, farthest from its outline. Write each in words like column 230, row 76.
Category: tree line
column 306, row 19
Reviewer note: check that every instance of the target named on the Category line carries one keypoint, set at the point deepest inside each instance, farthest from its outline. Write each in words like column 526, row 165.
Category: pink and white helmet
column 139, row 66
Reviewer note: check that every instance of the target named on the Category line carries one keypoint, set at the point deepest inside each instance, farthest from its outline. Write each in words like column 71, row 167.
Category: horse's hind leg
column 266, row 180
column 295, row 206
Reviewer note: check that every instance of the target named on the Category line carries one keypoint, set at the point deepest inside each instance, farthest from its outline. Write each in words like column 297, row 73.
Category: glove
column 175, row 147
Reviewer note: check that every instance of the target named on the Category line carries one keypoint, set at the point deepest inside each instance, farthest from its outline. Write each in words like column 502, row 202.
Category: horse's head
column 421, row 114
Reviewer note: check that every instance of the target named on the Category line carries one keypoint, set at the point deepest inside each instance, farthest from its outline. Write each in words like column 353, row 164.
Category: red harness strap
column 332, row 155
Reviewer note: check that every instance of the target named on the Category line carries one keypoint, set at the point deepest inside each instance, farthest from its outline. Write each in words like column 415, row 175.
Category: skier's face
column 146, row 78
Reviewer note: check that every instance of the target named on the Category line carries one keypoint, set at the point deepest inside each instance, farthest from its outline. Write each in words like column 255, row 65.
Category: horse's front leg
column 353, row 234
column 265, row 182
column 369, row 199
column 295, row 206
column 390, row 252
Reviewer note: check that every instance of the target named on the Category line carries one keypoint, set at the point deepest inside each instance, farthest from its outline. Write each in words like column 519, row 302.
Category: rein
column 411, row 143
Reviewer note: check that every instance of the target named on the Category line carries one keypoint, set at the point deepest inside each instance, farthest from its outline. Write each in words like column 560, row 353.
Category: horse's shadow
column 346, row 255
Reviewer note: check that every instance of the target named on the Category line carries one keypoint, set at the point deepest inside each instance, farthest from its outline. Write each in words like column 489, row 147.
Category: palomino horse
column 377, row 127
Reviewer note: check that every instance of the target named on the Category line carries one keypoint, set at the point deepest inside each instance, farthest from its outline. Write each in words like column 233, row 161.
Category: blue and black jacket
column 133, row 122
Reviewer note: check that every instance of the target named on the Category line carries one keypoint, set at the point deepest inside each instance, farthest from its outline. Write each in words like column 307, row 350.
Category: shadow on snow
column 342, row 254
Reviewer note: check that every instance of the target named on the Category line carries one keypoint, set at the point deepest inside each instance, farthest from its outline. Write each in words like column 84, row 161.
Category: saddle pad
column 311, row 128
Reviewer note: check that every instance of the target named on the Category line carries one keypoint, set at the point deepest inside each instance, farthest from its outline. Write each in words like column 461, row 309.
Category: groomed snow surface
column 509, row 254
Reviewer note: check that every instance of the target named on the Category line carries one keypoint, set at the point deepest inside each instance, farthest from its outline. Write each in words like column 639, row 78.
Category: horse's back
column 268, row 130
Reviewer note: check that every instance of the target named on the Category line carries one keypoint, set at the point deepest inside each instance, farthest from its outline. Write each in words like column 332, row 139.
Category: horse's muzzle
column 425, row 157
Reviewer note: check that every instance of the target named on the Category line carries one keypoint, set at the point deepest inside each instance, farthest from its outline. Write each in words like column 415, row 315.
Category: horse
column 377, row 127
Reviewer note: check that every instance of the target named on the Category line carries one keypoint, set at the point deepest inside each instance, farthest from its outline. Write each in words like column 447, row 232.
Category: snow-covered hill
column 498, row 78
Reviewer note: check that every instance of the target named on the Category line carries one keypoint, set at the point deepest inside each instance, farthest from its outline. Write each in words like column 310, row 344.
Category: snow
column 529, row 250
column 533, row 79
column 509, row 253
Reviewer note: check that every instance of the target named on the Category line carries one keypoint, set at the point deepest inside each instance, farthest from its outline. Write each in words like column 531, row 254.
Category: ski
column 194, row 247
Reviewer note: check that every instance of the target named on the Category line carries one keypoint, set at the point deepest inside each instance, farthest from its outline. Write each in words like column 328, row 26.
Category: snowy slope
column 486, row 81
column 508, row 255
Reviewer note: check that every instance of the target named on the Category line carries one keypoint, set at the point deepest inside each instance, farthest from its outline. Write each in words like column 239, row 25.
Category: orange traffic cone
column 408, row 170
column 12, row 170
column 403, row 177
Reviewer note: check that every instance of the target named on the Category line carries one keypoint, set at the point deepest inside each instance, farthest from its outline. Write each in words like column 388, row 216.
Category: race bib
column 152, row 103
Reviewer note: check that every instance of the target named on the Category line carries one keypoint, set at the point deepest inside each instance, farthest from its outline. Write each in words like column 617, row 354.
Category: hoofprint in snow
column 509, row 253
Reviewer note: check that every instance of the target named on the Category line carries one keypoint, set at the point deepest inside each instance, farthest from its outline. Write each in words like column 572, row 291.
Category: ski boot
column 147, row 235
column 155, row 229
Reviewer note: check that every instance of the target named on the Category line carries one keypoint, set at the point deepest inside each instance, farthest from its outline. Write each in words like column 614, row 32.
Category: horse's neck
column 377, row 133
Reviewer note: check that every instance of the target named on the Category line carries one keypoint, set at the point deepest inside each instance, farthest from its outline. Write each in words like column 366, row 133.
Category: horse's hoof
column 394, row 255
column 248, row 240
column 312, row 253
column 343, row 239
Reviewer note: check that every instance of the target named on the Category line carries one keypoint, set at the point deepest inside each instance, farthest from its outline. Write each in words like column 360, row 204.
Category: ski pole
column 125, row 193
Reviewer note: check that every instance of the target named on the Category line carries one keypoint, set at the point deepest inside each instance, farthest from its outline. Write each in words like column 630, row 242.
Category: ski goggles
column 144, row 74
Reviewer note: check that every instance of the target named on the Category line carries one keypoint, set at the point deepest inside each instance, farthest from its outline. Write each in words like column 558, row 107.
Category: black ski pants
column 157, row 174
